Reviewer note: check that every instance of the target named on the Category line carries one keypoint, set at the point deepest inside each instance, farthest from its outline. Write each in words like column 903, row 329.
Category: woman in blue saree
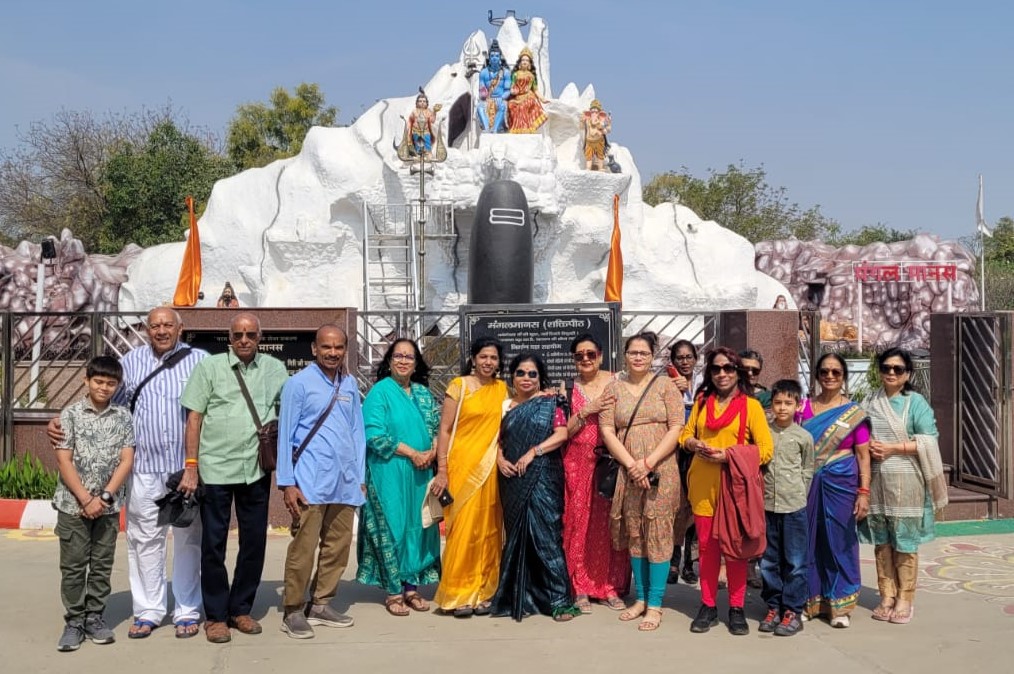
column 839, row 494
column 533, row 570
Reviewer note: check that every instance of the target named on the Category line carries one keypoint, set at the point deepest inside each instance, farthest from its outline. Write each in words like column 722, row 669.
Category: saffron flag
column 980, row 220
column 614, row 270
column 189, row 284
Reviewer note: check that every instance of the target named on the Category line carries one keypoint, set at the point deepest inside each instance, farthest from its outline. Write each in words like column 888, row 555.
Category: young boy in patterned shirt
column 94, row 459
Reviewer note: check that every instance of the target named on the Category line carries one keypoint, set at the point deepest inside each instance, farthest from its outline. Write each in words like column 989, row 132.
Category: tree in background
column 740, row 199
column 868, row 234
column 261, row 133
column 51, row 179
column 111, row 180
column 145, row 184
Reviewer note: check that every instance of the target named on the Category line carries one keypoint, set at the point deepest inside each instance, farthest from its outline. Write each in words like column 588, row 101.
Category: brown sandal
column 416, row 602
column 395, row 605
column 883, row 612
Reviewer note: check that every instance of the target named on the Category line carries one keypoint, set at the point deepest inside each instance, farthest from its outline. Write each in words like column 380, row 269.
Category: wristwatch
column 538, row 450
column 106, row 498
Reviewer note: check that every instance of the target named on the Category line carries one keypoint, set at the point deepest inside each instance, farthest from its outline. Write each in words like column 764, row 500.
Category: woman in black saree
column 533, row 571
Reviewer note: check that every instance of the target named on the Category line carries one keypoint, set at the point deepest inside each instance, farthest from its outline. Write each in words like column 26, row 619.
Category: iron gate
column 984, row 411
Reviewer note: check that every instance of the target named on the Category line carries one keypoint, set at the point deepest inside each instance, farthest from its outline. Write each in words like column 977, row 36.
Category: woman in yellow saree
column 466, row 469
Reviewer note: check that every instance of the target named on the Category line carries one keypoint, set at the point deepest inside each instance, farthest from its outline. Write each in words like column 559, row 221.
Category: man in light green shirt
column 221, row 445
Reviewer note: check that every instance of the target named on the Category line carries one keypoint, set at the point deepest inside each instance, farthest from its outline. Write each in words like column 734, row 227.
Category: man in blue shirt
column 322, row 471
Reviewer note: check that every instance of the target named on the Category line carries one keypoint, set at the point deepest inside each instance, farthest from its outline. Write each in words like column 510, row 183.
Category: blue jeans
column 783, row 566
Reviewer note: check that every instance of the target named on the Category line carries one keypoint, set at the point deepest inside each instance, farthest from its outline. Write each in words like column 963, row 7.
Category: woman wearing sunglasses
column 839, row 494
column 907, row 484
column 533, row 572
column 640, row 425
column 597, row 571
column 466, row 471
column 725, row 418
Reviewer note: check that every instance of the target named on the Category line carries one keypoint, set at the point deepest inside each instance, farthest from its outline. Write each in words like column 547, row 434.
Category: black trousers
column 222, row 601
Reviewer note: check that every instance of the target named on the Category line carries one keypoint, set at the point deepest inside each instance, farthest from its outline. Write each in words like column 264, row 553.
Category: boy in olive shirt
column 786, row 486
column 94, row 459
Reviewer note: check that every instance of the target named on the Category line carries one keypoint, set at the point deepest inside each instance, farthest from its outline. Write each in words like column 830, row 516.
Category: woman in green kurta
column 907, row 484
column 395, row 552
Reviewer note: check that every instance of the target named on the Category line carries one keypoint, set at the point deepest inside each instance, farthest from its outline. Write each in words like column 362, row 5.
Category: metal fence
column 44, row 354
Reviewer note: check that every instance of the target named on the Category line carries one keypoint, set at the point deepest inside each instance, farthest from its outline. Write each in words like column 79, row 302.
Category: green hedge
column 24, row 477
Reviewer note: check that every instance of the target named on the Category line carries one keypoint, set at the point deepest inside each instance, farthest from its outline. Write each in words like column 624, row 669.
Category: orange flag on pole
column 189, row 285
column 614, row 270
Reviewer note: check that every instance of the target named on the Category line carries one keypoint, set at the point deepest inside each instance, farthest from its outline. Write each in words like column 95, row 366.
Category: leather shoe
column 245, row 624
column 217, row 632
column 707, row 617
column 737, row 622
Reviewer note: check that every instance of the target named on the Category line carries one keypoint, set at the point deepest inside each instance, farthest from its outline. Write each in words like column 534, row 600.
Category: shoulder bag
column 267, row 434
column 606, row 467
column 167, row 364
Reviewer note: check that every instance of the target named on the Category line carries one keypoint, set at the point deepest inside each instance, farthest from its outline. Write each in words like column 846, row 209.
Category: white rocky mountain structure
column 292, row 233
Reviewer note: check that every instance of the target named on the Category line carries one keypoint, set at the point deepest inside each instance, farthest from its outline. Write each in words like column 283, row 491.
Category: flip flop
column 902, row 617
column 395, row 605
column 614, row 603
column 141, row 629
column 883, row 613
column 183, row 629
column 583, row 604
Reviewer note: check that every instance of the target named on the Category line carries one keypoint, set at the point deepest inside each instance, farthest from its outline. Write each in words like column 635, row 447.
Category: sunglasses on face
column 752, row 371
column 893, row 369
column 833, row 372
column 727, row 368
column 531, row 374
column 585, row 355
column 252, row 335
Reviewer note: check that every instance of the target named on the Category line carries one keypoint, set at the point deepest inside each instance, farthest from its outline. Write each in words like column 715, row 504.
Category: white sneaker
column 841, row 621
column 804, row 616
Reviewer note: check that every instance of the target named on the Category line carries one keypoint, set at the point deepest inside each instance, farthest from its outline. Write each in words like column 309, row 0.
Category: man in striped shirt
column 159, row 422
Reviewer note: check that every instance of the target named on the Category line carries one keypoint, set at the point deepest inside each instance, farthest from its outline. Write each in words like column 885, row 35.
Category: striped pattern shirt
column 159, row 419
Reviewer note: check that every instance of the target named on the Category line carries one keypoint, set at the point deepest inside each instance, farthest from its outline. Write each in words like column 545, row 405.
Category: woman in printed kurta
column 597, row 571
column 467, row 471
column 907, row 485
column 648, row 488
column 724, row 416
column 395, row 552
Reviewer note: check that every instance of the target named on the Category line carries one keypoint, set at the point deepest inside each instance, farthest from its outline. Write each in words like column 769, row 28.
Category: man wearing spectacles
column 752, row 364
column 222, row 445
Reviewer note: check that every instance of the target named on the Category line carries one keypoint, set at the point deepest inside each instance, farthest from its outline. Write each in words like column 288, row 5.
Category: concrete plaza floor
column 964, row 621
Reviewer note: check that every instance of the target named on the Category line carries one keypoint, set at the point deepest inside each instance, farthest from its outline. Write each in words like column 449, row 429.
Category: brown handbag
column 267, row 434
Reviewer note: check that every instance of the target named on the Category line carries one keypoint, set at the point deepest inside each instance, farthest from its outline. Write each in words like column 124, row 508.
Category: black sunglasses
column 531, row 374
column 727, row 368
column 893, row 369
column 585, row 355
column 830, row 372
column 754, row 371
column 252, row 335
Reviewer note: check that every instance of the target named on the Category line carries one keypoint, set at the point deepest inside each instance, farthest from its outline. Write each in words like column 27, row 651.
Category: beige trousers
column 325, row 532
column 897, row 573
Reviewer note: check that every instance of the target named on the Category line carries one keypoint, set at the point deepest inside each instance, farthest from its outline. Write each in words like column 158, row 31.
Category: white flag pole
column 980, row 226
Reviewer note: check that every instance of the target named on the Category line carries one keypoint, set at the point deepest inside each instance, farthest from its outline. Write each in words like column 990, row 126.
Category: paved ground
column 964, row 621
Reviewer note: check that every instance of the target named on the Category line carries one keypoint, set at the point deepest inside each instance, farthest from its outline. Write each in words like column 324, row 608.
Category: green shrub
column 24, row 477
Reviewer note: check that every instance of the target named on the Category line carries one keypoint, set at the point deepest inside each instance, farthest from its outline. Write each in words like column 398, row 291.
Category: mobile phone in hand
column 673, row 372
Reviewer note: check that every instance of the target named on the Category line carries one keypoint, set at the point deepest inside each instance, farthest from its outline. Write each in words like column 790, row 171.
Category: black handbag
column 607, row 469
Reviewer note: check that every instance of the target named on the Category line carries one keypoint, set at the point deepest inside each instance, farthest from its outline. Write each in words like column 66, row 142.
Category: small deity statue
column 421, row 141
column 227, row 300
column 494, row 89
column 525, row 113
column 597, row 123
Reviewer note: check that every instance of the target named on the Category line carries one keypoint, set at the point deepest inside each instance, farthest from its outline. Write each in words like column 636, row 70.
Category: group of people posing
column 552, row 497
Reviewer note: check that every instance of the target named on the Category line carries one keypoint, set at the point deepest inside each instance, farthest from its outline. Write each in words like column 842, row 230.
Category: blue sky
column 878, row 111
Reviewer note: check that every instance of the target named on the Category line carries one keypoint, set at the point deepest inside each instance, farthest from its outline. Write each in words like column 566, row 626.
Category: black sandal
column 463, row 612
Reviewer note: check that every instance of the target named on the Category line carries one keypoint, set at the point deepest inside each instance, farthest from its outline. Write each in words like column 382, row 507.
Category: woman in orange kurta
column 466, row 469
column 724, row 415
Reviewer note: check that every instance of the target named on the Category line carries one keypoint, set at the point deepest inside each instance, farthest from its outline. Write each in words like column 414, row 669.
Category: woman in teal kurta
column 395, row 552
